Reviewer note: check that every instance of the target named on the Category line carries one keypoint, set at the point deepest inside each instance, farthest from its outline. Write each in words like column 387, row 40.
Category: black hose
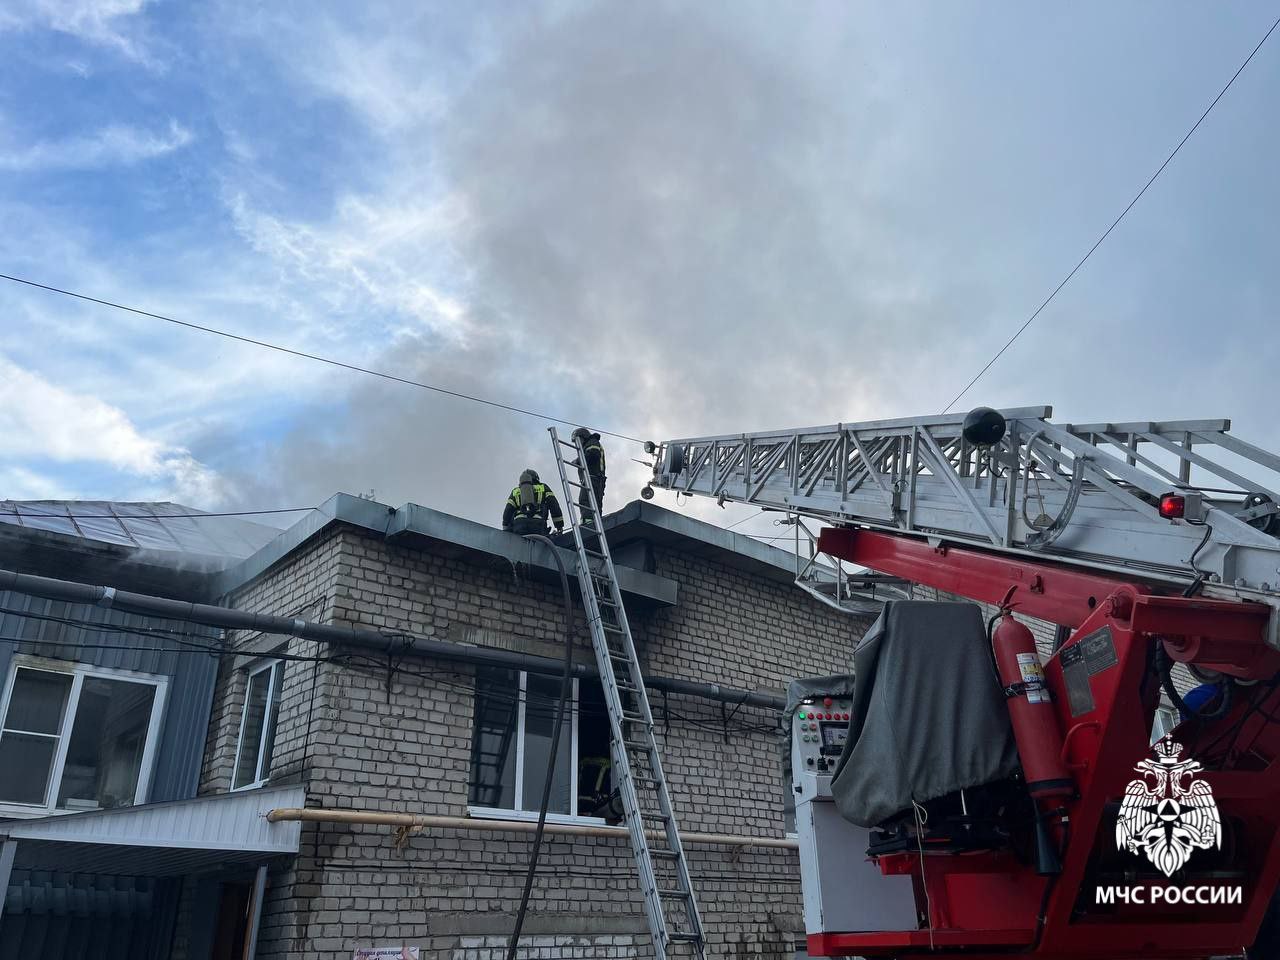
column 566, row 681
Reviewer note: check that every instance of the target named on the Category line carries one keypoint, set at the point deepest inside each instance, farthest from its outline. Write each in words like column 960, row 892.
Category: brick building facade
column 383, row 732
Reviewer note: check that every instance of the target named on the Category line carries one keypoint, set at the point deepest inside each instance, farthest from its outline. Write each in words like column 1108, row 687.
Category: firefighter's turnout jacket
column 529, row 506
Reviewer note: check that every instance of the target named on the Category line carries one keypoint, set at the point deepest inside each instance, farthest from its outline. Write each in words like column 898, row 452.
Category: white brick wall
column 408, row 749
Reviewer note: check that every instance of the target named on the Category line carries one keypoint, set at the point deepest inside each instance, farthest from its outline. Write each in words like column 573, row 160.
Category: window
column 1166, row 719
column 76, row 737
column 515, row 716
column 258, row 726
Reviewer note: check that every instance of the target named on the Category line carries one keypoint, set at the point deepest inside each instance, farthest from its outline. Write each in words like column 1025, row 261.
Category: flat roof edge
column 413, row 520
column 746, row 550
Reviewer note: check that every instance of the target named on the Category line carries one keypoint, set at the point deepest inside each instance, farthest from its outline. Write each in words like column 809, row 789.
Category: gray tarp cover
column 928, row 716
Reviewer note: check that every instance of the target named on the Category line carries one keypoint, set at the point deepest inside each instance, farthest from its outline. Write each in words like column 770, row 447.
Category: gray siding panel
column 191, row 672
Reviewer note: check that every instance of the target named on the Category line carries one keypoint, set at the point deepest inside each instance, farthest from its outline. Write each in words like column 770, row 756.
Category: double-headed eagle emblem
column 1173, row 816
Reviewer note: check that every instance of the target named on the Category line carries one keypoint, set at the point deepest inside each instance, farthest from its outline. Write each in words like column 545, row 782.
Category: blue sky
column 662, row 219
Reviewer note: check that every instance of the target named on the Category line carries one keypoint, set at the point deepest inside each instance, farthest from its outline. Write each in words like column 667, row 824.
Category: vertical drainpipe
column 255, row 916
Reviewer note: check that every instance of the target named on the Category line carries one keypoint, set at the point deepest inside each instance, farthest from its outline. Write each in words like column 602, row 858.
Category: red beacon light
column 1187, row 505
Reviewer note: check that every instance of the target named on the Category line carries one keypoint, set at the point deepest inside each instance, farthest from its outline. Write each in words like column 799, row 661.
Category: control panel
column 843, row 887
column 818, row 734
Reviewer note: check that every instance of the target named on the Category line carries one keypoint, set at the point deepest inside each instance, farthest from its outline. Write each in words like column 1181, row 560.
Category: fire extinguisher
column 1035, row 726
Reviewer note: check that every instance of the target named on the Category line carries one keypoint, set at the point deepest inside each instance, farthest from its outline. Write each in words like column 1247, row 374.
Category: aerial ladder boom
column 1150, row 543
column 1162, row 502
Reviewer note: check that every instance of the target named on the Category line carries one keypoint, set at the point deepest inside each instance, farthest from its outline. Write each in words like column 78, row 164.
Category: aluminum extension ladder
column 672, row 911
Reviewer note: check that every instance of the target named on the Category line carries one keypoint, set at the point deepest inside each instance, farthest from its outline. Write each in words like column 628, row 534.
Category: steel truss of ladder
column 672, row 911
column 831, row 582
column 1082, row 493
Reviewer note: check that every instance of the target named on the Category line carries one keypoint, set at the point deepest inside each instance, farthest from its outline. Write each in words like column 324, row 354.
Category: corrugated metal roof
column 223, row 822
column 144, row 526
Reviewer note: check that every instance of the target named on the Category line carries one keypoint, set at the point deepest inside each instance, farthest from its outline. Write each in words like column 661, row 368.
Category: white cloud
column 41, row 420
column 369, row 254
column 113, row 145
column 20, row 483
column 103, row 23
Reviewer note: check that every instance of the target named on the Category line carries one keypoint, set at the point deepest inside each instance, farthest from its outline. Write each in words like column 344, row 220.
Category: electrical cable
column 566, row 681
column 201, row 644
column 1106, row 233
column 313, row 356
column 1198, row 582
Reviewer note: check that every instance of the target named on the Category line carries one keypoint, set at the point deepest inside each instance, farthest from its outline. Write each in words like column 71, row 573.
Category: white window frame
column 500, row 813
column 259, row 779
column 78, row 673
column 1170, row 714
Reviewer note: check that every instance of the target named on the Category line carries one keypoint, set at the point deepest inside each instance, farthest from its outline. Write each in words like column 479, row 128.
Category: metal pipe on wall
column 419, row 821
column 230, row 619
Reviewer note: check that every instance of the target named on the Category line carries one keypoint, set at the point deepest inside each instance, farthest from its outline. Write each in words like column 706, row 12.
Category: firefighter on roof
column 529, row 505
column 594, row 470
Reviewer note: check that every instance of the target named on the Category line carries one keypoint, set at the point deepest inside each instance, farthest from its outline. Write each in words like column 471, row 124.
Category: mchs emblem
column 1172, row 815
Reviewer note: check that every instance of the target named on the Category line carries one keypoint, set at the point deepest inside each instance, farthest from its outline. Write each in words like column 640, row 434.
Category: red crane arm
column 1220, row 634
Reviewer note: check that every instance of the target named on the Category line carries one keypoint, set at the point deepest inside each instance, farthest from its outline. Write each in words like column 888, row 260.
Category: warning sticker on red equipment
column 1081, row 662
column 1033, row 678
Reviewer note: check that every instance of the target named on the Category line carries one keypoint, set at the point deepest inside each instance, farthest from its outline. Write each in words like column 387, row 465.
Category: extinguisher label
column 1033, row 678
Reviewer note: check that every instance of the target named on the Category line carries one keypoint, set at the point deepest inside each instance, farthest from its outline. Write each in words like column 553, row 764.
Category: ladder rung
column 672, row 894
column 665, row 854
column 638, row 745
column 685, row 937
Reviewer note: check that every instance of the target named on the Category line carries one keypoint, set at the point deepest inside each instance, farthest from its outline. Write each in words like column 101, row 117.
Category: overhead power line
column 1106, row 233
column 312, row 356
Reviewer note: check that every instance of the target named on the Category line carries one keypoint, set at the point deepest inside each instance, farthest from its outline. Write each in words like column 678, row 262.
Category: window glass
column 257, row 723
column 1165, row 720
column 38, row 700
column 27, row 762
column 29, row 736
column 542, row 696
column 273, row 716
column 511, row 745
column 108, row 740
column 493, row 739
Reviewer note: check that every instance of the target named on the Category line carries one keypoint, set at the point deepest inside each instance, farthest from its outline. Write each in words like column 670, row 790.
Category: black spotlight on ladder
column 983, row 427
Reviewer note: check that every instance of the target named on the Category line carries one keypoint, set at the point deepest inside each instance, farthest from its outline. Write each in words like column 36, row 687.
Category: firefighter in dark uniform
column 594, row 470
column 529, row 505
